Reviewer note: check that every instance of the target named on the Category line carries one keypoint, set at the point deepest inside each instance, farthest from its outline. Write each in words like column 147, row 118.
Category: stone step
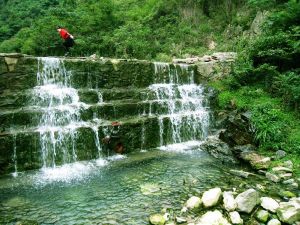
column 15, row 100
column 31, row 116
column 102, row 73
column 81, row 139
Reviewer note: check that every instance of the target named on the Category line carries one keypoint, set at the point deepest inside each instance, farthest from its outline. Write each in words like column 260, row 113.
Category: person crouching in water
column 69, row 39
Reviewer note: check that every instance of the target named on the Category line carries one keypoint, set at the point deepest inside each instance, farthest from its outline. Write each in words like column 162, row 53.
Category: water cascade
column 60, row 107
column 181, row 102
column 63, row 110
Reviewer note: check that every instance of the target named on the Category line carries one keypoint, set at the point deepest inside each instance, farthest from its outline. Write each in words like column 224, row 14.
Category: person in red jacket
column 69, row 39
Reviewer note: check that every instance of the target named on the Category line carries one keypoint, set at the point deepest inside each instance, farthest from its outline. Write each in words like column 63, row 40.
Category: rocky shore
column 218, row 207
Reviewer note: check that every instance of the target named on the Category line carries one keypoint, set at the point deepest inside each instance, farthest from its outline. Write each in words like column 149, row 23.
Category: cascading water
column 181, row 103
column 60, row 107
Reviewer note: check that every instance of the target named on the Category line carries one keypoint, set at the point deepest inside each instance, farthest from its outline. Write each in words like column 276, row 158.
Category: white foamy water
column 184, row 147
column 181, row 102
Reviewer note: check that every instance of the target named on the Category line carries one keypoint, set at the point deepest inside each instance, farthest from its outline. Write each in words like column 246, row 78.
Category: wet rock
column 211, row 197
column 235, row 218
column 229, row 201
column 281, row 169
column 238, row 129
column 287, row 194
column 274, row 222
column 289, row 212
column 150, row 189
column 269, row 204
column 291, row 182
column 286, row 176
column 241, row 173
column 218, row 149
column 288, row 164
column 262, row 216
column 180, row 220
column 280, row 154
column 193, row 202
column 157, row 219
column 257, row 161
column 247, row 200
column 213, row 217
column 272, row 177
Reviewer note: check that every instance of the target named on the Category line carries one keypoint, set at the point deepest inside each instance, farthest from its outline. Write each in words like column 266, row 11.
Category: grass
column 276, row 127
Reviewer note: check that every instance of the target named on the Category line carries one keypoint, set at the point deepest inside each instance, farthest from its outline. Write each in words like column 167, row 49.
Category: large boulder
column 238, row 129
column 289, row 212
column 211, row 197
column 213, row 218
column 218, row 149
column 229, row 201
column 247, row 200
column 269, row 204
column 257, row 161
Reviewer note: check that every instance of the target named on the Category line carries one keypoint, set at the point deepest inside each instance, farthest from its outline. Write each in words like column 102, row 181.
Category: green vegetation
column 266, row 81
column 145, row 29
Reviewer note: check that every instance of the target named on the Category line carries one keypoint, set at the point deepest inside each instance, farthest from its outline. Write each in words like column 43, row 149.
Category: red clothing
column 64, row 34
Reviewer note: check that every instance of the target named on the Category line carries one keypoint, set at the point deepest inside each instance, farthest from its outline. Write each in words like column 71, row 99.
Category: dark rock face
column 219, row 149
column 237, row 129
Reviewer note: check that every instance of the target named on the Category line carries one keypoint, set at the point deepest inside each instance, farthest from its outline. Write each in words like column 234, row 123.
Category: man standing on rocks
column 69, row 39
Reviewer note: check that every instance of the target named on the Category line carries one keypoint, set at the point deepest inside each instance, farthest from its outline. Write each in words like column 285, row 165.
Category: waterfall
column 15, row 174
column 181, row 103
column 60, row 112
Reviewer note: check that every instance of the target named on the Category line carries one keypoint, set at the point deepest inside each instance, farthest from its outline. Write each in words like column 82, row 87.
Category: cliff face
column 56, row 111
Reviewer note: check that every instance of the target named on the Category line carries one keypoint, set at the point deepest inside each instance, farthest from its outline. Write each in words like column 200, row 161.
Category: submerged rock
column 150, row 189
column 247, row 200
column 213, row 218
column 211, row 197
column 289, row 212
column 269, row 204
column 229, row 201
column 157, row 219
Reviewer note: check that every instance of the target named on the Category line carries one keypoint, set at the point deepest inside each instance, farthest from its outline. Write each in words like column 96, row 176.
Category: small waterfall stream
column 60, row 107
column 182, row 103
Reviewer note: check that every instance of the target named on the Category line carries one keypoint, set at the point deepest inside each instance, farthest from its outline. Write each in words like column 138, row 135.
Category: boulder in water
column 247, row 200
column 211, row 197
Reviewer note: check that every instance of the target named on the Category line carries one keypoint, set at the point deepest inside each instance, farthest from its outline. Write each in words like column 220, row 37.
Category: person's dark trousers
column 69, row 42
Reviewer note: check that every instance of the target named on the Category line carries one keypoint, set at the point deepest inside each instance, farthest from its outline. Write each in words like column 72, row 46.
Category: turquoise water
column 120, row 190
